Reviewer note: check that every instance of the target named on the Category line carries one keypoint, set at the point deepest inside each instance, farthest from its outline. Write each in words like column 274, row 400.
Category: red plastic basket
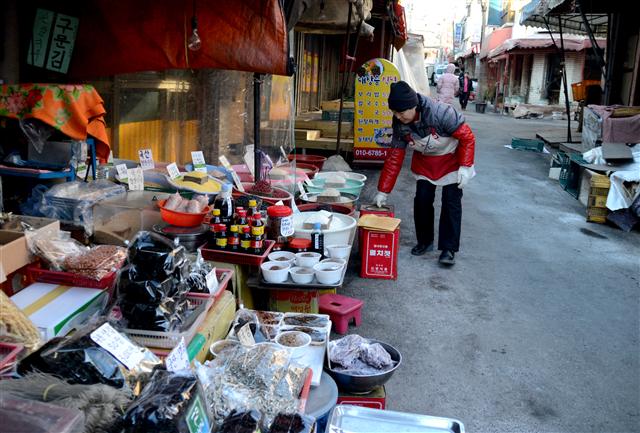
column 209, row 253
column 37, row 274
column 8, row 356
column 224, row 276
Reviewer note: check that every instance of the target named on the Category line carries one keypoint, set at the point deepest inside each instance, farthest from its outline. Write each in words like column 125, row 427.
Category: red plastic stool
column 341, row 309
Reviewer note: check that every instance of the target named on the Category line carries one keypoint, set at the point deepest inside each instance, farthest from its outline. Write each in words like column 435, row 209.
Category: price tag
column 198, row 161
column 122, row 348
column 178, row 358
column 301, row 189
column 81, row 170
column 146, row 159
column 245, row 336
column 122, row 172
column 110, row 159
column 173, row 171
column 135, row 177
column 286, row 226
column 197, row 419
column 212, row 281
column 225, row 163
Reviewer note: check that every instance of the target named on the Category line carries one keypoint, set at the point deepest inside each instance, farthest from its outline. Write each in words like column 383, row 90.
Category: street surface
column 536, row 328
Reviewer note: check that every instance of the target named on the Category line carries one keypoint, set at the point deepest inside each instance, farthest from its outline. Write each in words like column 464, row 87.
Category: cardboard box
column 294, row 301
column 376, row 399
column 14, row 253
column 56, row 310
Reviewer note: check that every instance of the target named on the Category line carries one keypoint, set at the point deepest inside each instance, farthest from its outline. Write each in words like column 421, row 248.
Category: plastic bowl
column 345, row 174
column 295, row 342
column 302, row 275
column 365, row 384
column 351, row 187
column 181, row 219
column 339, row 251
column 346, row 200
column 310, row 169
column 328, row 272
column 307, row 259
column 219, row 346
column 342, row 229
column 275, row 272
column 282, row 257
column 315, row 160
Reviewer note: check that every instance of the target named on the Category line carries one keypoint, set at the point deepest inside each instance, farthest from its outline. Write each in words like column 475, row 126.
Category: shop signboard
column 53, row 38
column 372, row 122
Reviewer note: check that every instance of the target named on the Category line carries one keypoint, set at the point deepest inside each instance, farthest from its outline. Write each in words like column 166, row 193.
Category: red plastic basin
column 181, row 219
column 315, row 160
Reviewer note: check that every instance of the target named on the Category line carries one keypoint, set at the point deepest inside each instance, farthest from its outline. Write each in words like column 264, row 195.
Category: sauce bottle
column 224, row 202
column 221, row 239
column 257, row 225
column 317, row 239
column 242, row 221
column 233, row 241
column 253, row 208
column 245, row 240
column 215, row 218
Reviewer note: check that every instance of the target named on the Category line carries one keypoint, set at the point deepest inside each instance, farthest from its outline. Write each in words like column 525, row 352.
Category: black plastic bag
column 156, row 257
column 241, row 422
column 172, row 402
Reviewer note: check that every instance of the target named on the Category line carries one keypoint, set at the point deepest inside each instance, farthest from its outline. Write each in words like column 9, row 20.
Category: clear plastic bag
column 171, row 402
column 292, row 423
column 78, row 359
column 37, row 132
column 260, row 377
column 241, row 422
column 54, row 248
column 97, row 262
column 244, row 317
column 197, row 279
column 156, row 257
column 358, row 356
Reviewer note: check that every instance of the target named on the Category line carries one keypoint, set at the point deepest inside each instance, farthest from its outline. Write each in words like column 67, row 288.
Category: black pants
column 464, row 98
column 450, row 215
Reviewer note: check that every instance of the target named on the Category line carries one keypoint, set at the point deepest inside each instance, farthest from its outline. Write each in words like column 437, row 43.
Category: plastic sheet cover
column 410, row 63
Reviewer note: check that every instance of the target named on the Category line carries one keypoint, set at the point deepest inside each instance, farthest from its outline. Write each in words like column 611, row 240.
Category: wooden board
column 327, row 128
column 335, row 105
column 308, row 134
column 324, row 143
column 616, row 152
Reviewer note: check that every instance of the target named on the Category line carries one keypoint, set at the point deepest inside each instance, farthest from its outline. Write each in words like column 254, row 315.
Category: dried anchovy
column 306, row 320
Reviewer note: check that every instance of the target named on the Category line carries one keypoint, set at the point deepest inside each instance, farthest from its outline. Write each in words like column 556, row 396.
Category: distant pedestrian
column 443, row 155
column 448, row 85
column 466, row 87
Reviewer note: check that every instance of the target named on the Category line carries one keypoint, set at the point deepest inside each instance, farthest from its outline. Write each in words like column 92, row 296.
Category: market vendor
column 443, row 153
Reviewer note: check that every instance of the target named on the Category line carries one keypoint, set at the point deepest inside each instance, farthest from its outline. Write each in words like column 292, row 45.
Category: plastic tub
column 315, row 160
column 307, row 259
column 309, row 169
column 339, row 251
column 181, row 219
column 331, row 207
column 346, row 200
column 302, row 275
column 351, row 187
column 286, row 198
column 329, row 272
column 294, row 341
column 275, row 272
column 345, row 174
column 341, row 231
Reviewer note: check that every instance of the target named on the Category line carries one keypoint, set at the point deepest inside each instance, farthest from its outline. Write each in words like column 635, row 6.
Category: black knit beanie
column 402, row 97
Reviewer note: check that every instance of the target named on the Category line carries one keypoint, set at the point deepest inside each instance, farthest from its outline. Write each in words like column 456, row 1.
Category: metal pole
column 564, row 77
column 257, row 81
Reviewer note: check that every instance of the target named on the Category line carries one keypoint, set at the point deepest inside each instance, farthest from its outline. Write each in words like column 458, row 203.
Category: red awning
column 494, row 39
column 121, row 36
column 571, row 43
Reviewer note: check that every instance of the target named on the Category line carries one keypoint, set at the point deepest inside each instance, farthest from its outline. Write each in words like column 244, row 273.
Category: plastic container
column 307, row 259
column 352, row 186
column 328, row 272
column 286, row 196
column 343, row 208
column 315, row 160
column 299, row 245
column 302, row 275
column 216, row 348
column 527, row 144
column 280, row 223
column 346, row 174
column 8, row 355
column 339, row 251
column 181, row 219
column 294, row 341
column 342, row 229
column 35, row 273
column 169, row 340
column 282, row 257
column 275, row 272
column 309, row 169
column 237, row 258
column 224, row 276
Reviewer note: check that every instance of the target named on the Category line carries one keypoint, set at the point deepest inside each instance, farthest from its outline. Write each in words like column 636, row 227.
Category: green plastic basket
column 530, row 144
column 570, row 172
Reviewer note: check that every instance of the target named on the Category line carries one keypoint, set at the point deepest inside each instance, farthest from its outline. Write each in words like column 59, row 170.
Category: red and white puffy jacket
column 444, row 140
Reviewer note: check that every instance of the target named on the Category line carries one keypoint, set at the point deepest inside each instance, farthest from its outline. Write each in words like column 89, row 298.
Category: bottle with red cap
column 257, row 233
column 245, row 240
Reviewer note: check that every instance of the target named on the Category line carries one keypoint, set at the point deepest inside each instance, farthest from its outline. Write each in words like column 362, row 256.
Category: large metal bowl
column 366, row 384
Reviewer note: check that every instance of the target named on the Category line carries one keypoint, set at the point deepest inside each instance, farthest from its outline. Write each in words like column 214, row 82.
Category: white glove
column 380, row 199
column 464, row 175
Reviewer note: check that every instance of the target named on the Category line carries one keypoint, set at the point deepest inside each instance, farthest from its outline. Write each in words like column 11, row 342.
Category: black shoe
column 447, row 258
column 420, row 249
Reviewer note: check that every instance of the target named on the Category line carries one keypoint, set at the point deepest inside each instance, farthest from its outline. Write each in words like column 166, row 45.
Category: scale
column 190, row 237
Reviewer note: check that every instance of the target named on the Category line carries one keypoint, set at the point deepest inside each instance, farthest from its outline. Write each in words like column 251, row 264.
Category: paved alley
column 536, row 327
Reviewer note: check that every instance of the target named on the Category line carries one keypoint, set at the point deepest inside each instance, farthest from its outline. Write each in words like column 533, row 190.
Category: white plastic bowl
column 219, row 346
column 345, row 174
column 340, row 262
column 302, row 275
column 282, row 257
column 329, row 272
column 341, row 231
column 275, row 272
column 339, row 251
column 299, row 341
column 307, row 259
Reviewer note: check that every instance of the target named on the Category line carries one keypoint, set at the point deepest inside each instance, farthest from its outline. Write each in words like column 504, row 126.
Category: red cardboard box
column 376, row 399
column 379, row 254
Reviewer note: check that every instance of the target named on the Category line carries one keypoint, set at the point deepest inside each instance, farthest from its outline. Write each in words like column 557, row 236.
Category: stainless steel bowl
column 366, row 384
